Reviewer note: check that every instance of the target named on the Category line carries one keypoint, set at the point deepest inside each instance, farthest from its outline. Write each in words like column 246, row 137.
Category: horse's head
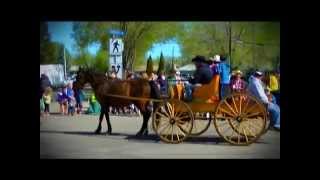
column 83, row 76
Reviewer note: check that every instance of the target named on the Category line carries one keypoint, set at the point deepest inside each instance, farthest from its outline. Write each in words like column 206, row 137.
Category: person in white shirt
column 256, row 89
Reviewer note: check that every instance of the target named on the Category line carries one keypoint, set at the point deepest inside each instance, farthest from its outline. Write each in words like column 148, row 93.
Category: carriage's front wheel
column 172, row 120
column 240, row 119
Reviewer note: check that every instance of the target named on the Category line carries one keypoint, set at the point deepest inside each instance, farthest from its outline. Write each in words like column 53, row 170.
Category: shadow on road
column 151, row 138
column 86, row 133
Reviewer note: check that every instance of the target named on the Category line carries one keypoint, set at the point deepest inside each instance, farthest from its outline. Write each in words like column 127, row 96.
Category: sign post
column 115, row 51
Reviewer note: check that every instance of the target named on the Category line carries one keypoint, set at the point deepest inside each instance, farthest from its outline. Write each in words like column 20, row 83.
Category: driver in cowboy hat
column 202, row 75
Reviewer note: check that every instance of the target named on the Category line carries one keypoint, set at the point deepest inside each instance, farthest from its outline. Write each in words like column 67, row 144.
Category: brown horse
column 102, row 86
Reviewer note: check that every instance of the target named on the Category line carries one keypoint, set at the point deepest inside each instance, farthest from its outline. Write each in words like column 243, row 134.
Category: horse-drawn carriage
column 239, row 118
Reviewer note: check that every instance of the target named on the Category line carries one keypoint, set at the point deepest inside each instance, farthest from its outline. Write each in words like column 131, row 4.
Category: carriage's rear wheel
column 268, row 124
column 240, row 119
column 172, row 120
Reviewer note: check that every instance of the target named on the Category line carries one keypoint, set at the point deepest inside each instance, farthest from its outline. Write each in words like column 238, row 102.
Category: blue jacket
column 70, row 93
column 79, row 95
column 224, row 73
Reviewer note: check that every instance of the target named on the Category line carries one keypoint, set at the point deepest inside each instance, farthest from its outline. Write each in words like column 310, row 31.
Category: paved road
column 72, row 137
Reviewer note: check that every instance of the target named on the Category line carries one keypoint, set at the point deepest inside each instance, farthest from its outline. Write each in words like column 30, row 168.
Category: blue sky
column 61, row 32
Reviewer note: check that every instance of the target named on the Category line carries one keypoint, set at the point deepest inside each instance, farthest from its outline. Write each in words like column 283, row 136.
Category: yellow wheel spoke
column 239, row 135
column 245, row 134
column 163, row 109
column 251, row 108
column 252, row 134
column 240, row 102
column 247, row 100
column 226, row 111
column 230, row 107
column 183, row 117
column 163, row 129
column 253, row 114
column 231, row 135
column 235, row 106
column 169, row 109
column 179, row 113
column 171, row 132
column 173, row 110
column 228, row 128
column 255, row 126
column 178, row 135
column 162, row 124
column 181, row 130
column 162, row 115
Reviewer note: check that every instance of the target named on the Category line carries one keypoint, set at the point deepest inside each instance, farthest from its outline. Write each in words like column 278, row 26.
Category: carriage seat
column 208, row 93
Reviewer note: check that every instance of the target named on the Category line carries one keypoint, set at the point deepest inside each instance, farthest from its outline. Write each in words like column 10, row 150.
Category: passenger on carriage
column 225, row 77
column 256, row 89
column 163, row 85
column 175, row 84
column 215, row 68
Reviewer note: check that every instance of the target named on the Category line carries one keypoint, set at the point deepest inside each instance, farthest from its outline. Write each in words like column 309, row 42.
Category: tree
column 255, row 47
column 84, row 59
column 101, row 63
column 44, row 43
column 149, row 69
column 51, row 52
column 161, row 67
column 138, row 37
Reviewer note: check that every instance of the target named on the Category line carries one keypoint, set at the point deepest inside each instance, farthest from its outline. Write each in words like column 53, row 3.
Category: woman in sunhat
column 237, row 84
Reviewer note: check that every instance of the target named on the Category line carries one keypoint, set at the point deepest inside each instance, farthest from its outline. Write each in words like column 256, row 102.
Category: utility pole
column 253, row 46
column 230, row 46
column 65, row 62
column 172, row 57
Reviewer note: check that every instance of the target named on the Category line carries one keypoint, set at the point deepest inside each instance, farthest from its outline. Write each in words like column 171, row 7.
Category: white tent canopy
column 55, row 73
column 188, row 67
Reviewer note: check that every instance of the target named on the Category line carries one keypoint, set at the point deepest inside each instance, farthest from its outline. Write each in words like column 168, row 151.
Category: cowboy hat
column 216, row 58
column 258, row 73
column 238, row 72
column 199, row 59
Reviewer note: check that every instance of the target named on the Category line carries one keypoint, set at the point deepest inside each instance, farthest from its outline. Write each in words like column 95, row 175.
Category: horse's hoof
column 98, row 131
column 109, row 133
column 139, row 134
column 145, row 133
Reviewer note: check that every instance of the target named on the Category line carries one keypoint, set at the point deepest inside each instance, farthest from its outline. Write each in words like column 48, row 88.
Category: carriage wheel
column 240, row 119
column 268, row 124
column 201, row 123
column 172, row 121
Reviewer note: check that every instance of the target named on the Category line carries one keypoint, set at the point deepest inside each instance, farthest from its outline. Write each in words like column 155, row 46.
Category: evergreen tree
column 161, row 67
column 149, row 69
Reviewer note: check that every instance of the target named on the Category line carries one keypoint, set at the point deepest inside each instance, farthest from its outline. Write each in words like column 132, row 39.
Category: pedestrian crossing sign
column 115, row 46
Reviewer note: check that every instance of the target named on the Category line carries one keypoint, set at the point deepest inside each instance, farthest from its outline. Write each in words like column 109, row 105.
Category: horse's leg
column 98, row 130
column 144, row 127
column 108, row 121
